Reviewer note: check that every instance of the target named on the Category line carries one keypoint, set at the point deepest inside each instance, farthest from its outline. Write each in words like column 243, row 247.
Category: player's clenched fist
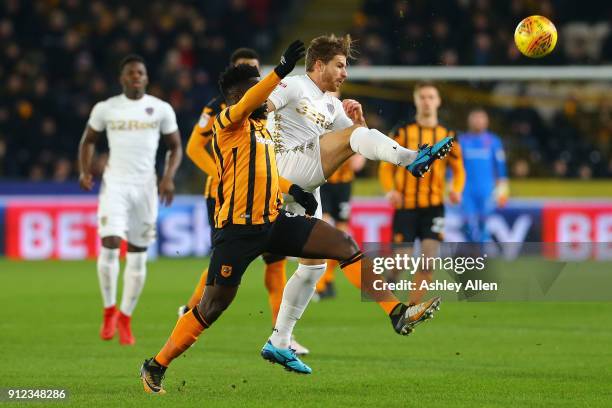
column 166, row 190
column 304, row 198
column 354, row 110
column 86, row 181
column 291, row 56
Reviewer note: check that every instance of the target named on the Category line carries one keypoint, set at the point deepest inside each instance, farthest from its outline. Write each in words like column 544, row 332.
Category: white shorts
column 128, row 211
column 303, row 167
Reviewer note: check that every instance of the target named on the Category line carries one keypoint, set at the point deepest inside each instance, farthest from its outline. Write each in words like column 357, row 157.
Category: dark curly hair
column 129, row 59
column 234, row 77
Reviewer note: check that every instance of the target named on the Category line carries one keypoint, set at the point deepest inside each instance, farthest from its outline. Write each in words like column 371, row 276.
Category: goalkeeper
column 485, row 166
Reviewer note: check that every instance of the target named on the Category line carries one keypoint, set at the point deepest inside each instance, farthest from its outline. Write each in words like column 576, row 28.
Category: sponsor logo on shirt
column 261, row 139
column 131, row 125
column 149, row 111
column 313, row 115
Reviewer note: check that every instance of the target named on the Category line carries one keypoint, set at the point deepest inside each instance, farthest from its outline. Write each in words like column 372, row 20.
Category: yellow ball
column 535, row 36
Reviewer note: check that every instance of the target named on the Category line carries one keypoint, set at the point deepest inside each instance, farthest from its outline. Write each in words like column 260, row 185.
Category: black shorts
column 210, row 207
column 422, row 223
column 236, row 246
column 335, row 200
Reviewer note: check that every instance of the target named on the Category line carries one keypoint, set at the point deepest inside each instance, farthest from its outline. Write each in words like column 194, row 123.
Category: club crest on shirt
column 330, row 108
column 149, row 110
column 226, row 271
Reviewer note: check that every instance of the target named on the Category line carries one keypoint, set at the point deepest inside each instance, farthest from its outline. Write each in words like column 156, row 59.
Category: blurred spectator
column 481, row 31
column 58, row 58
column 520, row 169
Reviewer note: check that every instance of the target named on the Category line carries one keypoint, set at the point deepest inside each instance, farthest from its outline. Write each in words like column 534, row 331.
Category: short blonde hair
column 326, row 47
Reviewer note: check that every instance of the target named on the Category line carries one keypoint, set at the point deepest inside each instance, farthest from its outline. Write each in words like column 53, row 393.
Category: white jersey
column 303, row 112
column 132, row 128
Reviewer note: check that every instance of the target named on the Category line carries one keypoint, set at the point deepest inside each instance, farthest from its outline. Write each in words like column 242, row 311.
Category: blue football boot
column 428, row 154
column 285, row 357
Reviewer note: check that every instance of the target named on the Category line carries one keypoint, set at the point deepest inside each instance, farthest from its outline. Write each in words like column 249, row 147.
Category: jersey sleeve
column 251, row 100
column 97, row 118
column 500, row 159
column 199, row 138
column 341, row 121
column 168, row 123
column 284, row 92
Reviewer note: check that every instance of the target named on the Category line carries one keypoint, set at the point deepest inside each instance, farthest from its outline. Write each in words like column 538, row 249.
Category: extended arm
column 196, row 151
column 87, row 149
column 172, row 162
column 502, row 187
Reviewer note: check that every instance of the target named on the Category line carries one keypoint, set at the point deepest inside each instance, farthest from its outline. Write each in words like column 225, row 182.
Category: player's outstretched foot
column 152, row 375
column 298, row 348
column 285, row 357
column 182, row 310
column 428, row 154
column 405, row 317
column 109, row 324
column 125, row 330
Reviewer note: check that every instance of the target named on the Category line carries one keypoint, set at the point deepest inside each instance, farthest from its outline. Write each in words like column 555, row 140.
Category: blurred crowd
column 477, row 32
column 60, row 57
column 549, row 128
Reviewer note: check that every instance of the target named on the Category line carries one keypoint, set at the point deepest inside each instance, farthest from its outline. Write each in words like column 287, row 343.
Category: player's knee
column 272, row 258
column 347, row 248
column 309, row 275
column 111, row 242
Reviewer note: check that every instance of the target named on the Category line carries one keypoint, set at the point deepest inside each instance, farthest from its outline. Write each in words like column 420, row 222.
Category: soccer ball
column 535, row 36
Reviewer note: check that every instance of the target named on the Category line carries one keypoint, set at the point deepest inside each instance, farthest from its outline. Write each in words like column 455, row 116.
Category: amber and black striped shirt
column 344, row 174
column 248, row 191
column 429, row 190
column 198, row 147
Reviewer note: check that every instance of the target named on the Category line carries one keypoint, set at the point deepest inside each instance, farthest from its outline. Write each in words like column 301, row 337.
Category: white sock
column 298, row 292
column 374, row 145
column 133, row 280
column 108, row 272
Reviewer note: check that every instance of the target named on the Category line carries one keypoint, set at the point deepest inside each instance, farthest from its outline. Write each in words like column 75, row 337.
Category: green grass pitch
column 470, row 355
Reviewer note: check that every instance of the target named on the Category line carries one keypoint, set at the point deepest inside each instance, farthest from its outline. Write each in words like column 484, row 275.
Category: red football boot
column 109, row 325
column 125, row 330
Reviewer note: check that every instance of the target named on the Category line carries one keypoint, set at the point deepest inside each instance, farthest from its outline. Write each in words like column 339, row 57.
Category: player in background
column 419, row 202
column 336, row 201
column 314, row 133
column 128, row 200
column 198, row 150
column 485, row 166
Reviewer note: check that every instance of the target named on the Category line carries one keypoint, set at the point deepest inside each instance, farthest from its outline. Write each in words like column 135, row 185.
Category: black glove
column 292, row 55
column 304, row 198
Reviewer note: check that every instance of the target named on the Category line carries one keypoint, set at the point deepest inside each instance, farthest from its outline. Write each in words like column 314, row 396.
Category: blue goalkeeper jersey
column 484, row 160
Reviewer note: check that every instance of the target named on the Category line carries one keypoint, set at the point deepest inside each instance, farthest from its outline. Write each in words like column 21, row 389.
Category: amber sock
column 198, row 292
column 185, row 333
column 275, row 279
column 352, row 270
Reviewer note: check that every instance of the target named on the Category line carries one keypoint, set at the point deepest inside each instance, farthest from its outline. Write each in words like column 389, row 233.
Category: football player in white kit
column 128, row 198
column 314, row 134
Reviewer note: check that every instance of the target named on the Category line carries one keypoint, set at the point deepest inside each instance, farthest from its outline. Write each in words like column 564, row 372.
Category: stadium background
column 59, row 57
